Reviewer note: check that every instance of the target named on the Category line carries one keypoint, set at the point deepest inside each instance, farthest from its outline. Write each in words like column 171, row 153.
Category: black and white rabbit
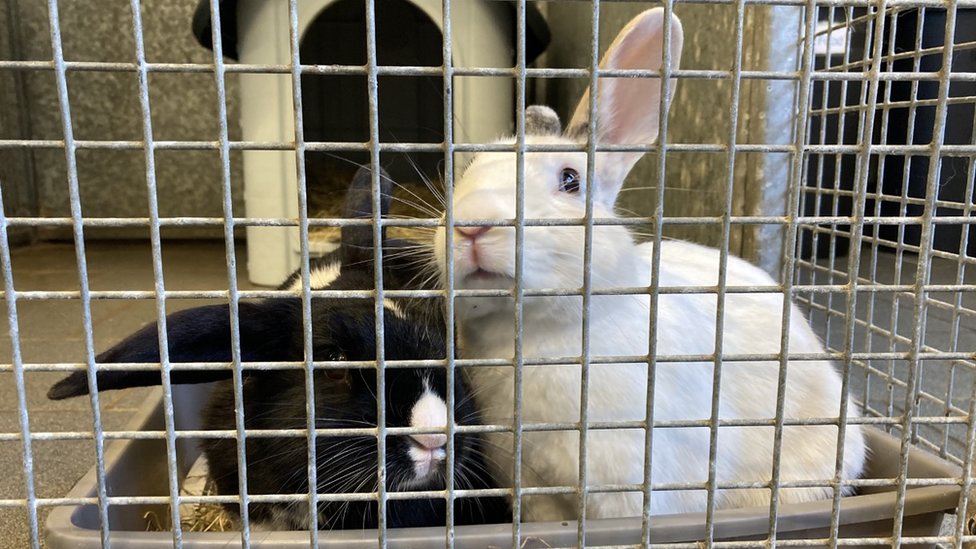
column 343, row 329
column 628, row 113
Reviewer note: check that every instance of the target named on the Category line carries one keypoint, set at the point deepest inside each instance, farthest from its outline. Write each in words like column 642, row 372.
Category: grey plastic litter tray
column 138, row 468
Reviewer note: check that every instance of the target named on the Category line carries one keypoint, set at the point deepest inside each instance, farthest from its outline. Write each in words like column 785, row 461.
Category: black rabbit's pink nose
column 430, row 411
column 431, row 442
column 471, row 233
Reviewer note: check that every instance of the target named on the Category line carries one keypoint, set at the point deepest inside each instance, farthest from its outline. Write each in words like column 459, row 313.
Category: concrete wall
column 105, row 106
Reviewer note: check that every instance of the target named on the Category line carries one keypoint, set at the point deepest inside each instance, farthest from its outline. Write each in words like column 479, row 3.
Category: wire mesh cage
column 829, row 144
column 896, row 187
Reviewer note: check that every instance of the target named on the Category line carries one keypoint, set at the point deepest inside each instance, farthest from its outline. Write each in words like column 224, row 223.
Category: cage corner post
column 766, row 177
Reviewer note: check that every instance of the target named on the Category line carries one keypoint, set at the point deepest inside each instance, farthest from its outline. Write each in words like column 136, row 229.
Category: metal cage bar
column 310, row 398
column 79, row 241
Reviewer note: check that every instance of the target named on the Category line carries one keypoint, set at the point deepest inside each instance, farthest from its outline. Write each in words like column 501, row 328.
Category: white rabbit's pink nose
column 431, row 442
column 471, row 233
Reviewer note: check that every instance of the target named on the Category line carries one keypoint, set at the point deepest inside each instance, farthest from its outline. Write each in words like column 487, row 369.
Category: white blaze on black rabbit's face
column 415, row 398
column 428, row 450
column 418, row 461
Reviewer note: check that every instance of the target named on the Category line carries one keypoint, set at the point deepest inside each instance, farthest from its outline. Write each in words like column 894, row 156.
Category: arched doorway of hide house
column 336, row 107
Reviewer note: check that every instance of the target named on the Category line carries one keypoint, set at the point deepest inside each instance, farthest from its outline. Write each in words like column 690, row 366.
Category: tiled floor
column 51, row 332
column 949, row 326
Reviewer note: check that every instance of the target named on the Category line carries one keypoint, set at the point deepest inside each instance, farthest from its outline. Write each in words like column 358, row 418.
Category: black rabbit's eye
column 569, row 181
column 335, row 374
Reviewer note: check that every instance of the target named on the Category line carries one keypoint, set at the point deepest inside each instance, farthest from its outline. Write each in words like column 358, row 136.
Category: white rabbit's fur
column 619, row 325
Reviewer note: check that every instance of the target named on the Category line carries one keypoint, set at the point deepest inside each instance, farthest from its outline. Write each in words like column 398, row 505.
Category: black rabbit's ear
column 201, row 334
column 357, row 242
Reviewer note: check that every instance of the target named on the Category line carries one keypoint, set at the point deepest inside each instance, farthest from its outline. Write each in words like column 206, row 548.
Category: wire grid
column 906, row 266
column 875, row 322
column 932, row 394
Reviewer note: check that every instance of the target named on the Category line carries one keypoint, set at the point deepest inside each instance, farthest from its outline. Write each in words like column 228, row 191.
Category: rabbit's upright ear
column 629, row 109
column 201, row 334
column 357, row 241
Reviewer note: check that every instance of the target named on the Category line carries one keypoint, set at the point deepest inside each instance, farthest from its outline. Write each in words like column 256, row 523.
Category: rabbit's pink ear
column 629, row 109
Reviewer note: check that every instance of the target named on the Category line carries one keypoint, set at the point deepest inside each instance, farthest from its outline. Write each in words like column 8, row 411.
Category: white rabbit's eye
column 569, row 181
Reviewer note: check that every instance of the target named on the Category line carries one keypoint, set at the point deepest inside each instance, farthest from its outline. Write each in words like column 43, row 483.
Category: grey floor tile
column 57, row 464
column 949, row 326
column 13, row 527
column 44, row 257
column 48, row 320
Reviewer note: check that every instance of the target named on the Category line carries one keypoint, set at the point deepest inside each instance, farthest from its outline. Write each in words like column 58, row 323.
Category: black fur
column 357, row 247
column 342, row 329
column 201, row 334
column 276, row 400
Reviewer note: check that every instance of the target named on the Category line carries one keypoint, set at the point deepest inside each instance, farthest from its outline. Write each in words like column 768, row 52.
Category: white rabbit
column 484, row 257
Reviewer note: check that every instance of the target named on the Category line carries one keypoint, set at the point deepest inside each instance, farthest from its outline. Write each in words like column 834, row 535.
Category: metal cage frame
column 813, row 283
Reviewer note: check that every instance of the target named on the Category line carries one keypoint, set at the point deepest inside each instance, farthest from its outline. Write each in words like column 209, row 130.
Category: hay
column 195, row 517
column 207, row 517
